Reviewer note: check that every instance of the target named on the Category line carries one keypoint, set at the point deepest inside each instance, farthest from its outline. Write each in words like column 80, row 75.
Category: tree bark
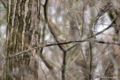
column 22, row 33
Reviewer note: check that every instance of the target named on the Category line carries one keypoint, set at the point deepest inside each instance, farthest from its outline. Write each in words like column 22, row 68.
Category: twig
column 71, row 54
column 84, row 5
column 50, row 67
column 56, row 44
column 71, row 47
column 4, row 4
column 91, row 57
column 64, row 65
column 107, row 7
column 41, row 50
column 43, row 71
column 45, row 10
column 42, row 57
column 62, row 49
column 52, row 32
column 107, row 67
column 112, row 24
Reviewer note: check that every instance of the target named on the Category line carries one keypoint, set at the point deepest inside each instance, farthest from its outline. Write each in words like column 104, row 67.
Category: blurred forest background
column 59, row 39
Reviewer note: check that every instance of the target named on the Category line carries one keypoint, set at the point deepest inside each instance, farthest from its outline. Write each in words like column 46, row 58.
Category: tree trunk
column 23, row 20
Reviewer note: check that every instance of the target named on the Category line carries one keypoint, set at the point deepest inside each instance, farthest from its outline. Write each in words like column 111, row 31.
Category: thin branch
column 64, row 52
column 64, row 65
column 41, row 50
column 71, row 47
column 71, row 55
column 43, row 71
column 84, row 5
column 46, row 63
column 107, row 7
column 107, row 67
column 4, row 4
column 91, row 57
column 56, row 44
column 50, row 67
column 43, row 38
column 45, row 10
column 111, row 25
column 50, row 25
column 52, row 32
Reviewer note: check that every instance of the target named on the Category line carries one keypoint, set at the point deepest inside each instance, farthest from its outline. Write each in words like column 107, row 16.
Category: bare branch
column 107, row 67
column 64, row 52
column 55, row 44
column 111, row 25
column 4, row 4
column 91, row 57
column 43, row 72
column 107, row 7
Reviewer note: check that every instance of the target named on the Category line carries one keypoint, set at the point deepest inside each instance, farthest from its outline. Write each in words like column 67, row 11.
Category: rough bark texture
column 23, row 20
